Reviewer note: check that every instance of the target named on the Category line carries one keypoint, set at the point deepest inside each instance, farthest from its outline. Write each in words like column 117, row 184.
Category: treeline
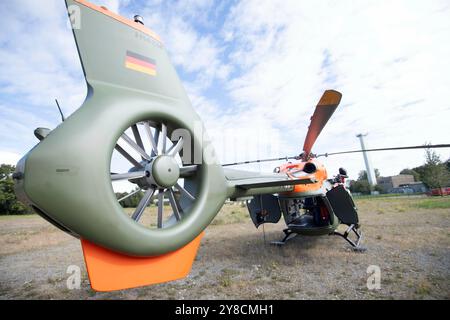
column 434, row 173
column 131, row 201
column 361, row 185
column 10, row 205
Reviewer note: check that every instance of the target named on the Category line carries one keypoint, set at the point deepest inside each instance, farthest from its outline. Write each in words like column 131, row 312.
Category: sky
column 254, row 71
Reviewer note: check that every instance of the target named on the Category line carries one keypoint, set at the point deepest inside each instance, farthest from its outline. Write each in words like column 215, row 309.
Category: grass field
column 407, row 237
column 435, row 203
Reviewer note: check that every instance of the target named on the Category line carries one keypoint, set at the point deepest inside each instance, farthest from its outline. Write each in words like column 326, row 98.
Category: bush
column 361, row 186
column 8, row 201
column 132, row 201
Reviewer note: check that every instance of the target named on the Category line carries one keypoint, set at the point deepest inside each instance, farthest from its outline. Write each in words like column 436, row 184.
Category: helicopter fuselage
column 307, row 209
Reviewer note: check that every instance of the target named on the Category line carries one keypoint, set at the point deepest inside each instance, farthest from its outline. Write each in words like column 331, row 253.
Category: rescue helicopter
column 136, row 105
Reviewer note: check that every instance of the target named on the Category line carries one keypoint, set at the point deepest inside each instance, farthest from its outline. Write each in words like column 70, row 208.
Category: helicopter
column 136, row 108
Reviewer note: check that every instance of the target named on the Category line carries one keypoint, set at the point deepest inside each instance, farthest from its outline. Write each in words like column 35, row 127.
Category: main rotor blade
column 151, row 138
column 142, row 204
column 127, row 156
column 387, row 149
column 324, row 109
column 135, row 146
column 128, row 175
column 261, row 160
column 173, row 203
column 431, row 146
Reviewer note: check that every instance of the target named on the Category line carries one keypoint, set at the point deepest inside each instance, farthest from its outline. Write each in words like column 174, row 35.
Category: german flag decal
column 140, row 63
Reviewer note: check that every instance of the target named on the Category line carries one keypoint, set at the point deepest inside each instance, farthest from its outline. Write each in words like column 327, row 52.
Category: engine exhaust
column 309, row 168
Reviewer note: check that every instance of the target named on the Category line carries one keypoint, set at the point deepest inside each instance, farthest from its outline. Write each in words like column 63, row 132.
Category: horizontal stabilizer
column 268, row 183
column 109, row 270
column 248, row 180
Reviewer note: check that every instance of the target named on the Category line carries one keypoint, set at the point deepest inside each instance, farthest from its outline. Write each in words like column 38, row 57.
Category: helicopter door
column 264, row 209
column 343, row 206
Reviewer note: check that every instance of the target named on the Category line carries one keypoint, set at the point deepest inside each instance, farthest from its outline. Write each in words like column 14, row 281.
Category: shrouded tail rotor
column 158, row 173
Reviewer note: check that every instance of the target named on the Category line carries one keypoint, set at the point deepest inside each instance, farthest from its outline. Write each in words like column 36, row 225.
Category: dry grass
column 408, row 237
column 150, row 216
column 231, row 213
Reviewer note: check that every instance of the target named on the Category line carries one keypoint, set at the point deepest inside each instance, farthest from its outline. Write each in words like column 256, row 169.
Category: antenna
column 60, row 111
column 138, row 19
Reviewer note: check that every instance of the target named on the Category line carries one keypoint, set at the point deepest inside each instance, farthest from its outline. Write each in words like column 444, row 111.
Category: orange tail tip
column 109, row 270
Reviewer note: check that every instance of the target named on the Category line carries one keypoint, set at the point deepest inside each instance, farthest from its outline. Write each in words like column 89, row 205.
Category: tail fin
column 118, row 52
column 122, row 52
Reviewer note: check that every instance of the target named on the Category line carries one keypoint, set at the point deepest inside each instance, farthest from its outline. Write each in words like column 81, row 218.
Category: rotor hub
column 163, row 171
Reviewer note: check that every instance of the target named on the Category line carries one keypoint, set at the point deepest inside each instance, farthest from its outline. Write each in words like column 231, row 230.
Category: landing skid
column 355, row 245
column 288, row 236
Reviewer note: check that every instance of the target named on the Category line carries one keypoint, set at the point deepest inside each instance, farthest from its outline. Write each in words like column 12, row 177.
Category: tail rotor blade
column 325, row 108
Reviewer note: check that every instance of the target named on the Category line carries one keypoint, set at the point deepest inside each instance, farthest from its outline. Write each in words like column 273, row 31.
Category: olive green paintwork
column 67, row 175
column 165, row 171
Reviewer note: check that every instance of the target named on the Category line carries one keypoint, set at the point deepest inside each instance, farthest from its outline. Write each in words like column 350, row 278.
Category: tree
column 132, row 201
column 360, row 186
column 434, row 173
column 6, row 170
column 412, row 172
column 379, row 188
column 363, row 174
column 8, row 201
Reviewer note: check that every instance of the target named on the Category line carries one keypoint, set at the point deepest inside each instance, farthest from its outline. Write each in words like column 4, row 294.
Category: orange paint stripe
column 121, row 19
column 139, row 68
column 109, row 270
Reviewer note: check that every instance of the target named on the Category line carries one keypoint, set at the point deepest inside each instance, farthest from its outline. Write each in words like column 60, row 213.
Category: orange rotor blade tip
column 330, row 97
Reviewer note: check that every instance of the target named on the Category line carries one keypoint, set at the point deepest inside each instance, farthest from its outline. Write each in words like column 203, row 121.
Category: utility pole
column 370, row 172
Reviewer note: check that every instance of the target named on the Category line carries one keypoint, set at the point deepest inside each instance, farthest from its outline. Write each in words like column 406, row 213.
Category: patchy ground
column 407, row 237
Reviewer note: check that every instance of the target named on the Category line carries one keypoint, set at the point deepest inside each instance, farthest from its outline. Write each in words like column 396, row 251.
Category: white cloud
column 9, row 158
column 390, row 61
column 38, row 57
column 192, row 49
column 267, row 67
